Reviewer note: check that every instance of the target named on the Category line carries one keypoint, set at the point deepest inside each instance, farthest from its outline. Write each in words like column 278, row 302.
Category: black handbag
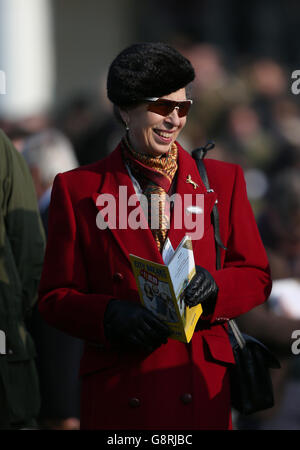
column 250, row 381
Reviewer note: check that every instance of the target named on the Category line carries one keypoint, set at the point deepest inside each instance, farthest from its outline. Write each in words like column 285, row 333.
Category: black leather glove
column 202, row 289
column 130, row 325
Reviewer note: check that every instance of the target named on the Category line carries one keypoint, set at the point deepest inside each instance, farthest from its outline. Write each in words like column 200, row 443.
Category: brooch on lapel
column 189, row 180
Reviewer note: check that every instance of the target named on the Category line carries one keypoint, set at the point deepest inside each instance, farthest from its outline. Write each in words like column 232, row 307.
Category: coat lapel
column 117, row 188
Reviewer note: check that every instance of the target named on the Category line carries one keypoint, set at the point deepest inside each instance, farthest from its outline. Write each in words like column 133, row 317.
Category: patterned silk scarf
column 155, row 176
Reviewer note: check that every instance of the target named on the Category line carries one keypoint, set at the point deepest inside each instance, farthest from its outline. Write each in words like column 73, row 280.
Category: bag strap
column 199, row 154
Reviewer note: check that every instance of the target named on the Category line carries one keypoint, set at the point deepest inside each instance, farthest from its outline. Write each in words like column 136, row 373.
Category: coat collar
column 117, row 185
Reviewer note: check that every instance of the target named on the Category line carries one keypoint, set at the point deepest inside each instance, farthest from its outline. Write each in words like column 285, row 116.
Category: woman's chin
column 159, row 149
column 156, row 153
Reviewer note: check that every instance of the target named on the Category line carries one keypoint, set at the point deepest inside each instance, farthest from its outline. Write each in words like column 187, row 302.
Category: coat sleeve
column 244, row 281
column 64, row 298
column 24, row 228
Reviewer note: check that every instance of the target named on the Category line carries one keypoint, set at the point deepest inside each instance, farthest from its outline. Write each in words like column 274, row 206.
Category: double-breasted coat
column 178, row 386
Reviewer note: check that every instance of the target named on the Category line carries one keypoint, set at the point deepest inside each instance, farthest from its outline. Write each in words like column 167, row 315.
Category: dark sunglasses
column 165, row 107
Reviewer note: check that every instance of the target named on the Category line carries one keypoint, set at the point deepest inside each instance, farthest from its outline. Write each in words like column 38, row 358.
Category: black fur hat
column 147, row 70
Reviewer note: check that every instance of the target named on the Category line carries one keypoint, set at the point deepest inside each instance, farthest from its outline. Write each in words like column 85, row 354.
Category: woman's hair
column 147, row 70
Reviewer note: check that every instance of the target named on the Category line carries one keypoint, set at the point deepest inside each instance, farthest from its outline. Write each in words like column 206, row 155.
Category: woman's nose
column 173, row 118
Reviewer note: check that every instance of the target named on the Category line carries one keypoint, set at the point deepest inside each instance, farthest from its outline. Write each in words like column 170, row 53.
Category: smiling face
column 150, row 132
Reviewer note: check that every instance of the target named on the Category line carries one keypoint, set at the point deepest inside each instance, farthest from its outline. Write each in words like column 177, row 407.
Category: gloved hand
column 131, row 325
column 202, row 289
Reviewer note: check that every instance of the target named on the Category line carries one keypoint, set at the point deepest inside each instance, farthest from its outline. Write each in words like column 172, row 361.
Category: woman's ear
column 124, row 117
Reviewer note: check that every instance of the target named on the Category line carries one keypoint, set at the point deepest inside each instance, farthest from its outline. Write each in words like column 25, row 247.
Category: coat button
column 134, row 402
column 186, row 398
column 118, row 276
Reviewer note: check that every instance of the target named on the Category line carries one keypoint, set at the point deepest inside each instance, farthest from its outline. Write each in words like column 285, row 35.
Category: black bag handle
column 198, row 155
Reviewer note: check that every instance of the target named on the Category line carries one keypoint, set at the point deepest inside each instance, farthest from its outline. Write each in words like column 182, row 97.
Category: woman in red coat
column 133, row 375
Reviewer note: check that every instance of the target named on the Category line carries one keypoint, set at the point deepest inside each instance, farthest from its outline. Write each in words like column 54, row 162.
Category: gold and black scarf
column 155, row 176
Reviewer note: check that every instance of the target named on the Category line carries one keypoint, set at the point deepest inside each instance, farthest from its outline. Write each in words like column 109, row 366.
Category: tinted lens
column 165, row 107
column 162, row 107
column 183, row 108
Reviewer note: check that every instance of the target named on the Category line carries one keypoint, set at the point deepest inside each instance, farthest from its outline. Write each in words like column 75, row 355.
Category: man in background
column 21, row 257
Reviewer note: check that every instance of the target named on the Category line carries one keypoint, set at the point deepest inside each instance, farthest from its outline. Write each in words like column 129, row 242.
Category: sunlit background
column 54, row 57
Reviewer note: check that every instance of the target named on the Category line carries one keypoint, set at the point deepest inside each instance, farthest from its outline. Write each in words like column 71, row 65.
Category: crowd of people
column 253, row 117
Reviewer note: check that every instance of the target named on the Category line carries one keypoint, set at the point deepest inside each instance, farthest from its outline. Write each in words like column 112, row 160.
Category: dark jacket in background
column 21, row 257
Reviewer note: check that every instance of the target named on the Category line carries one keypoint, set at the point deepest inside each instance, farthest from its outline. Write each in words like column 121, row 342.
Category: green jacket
column 22, row 245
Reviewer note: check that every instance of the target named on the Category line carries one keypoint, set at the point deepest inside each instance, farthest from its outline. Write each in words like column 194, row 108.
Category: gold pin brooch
column 189, row 180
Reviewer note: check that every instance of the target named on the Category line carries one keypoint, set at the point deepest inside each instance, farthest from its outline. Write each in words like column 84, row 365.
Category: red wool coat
column 178, row 386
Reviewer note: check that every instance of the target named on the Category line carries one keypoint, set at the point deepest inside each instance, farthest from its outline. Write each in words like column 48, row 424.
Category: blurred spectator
column 280, row 224
column 90, row 125
column 214, row 90
column 75, row 116
column 286, row 122
column 99, row 140
column 21, row 258
column 19, row 130
column 275, row 321
column 48, row 153
column 268, row 79
column 252, row 145
column 17, row 135
column 285, row 115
